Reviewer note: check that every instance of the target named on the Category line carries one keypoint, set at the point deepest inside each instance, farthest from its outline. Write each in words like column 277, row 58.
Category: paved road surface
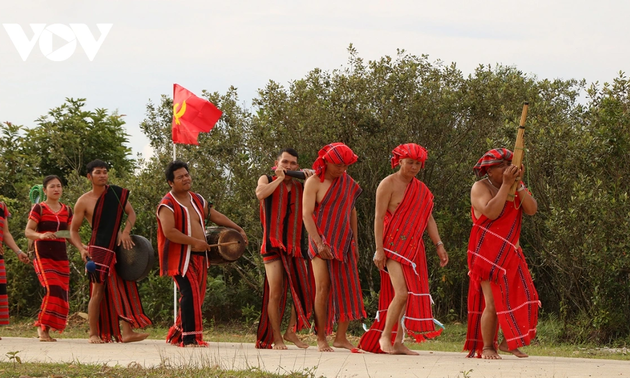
column 337, row 364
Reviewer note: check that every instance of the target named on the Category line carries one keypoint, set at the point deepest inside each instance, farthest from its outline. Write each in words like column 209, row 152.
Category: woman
column 7, row 238
column 51, row 259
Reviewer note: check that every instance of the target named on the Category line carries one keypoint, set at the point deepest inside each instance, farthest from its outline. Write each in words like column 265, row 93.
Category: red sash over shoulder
column 122, row 301
column 174, row 257
column 493, row 256
column 402, row 242
column 332, row 218
column 281, row 218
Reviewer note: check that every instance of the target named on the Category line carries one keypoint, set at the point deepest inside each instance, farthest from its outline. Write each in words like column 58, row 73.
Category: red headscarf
column 336, row 153
column 490, row 159
column 411, row 151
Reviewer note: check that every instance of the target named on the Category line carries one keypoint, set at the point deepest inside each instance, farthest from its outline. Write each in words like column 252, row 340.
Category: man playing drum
column 501, row 291
column 331, row 221
column 182, row 250
column 112, row 298
column 283, row 255
column 403, row 212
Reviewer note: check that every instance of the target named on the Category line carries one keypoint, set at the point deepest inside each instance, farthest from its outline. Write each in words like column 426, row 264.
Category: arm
column 222, row 220
column 383, row 196
column 309, row 198
column 432, row 229
column 124, row 236
column 266, row 188
column 482, row 200
column 167, row 221
column 77, row 219
column 31, row 232
column 8, row 240
column 530, row 206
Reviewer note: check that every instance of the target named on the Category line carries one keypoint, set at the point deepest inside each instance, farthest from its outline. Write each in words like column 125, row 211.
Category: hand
column 380, row 260
column 125, row 239
column 84, row 255
column 242, row 232
column 23, row 257
column 200, row 245
column 324, row 251
column 280, row 173
column 441, row 251
column 308, row 172
column 510, row 174
column 47, row 235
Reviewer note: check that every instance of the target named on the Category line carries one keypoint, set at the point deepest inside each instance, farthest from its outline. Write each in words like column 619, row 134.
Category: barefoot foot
column 488, row 353
column 322, row 346
column 343, row 343
column 293, row 338
column 133, row 337
column 386, row 345
column 95, row 339
column 503, row 348
column 400, row 348
column 279, row 345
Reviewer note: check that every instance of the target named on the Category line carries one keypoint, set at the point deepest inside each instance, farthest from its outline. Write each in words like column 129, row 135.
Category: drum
column 227, row 245
column 135, row 264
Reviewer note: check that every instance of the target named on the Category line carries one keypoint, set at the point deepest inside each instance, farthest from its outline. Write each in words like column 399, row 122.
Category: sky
column 213, row 45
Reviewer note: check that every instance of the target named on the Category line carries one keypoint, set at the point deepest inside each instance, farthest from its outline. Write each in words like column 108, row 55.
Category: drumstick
column 222, row 244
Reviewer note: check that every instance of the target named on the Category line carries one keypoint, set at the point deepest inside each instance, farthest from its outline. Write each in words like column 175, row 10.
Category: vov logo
column 70, row 33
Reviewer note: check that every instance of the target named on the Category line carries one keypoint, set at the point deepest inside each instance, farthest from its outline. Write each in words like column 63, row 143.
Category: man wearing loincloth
column 112, row 298
column 501, row 291
column 403, row 212
column 284, row 254
column 182, row 250
column 330, row 218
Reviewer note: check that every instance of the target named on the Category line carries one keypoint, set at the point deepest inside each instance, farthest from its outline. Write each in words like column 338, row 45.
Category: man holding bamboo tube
column 501, row 292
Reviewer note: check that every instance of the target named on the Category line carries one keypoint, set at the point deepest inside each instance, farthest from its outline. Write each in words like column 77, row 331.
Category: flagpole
column 174, row 284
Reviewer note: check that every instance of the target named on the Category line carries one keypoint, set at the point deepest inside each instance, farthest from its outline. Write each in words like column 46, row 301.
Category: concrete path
column 341, row 363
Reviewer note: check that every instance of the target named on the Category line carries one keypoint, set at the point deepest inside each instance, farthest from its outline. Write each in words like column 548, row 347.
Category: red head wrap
column 490, row 159
column 411, row 151
column 336, row 153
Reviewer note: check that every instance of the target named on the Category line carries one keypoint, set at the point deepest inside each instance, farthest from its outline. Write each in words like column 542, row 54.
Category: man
column 281, row 217
column 403, row 211
column 182, row 250
column 331, row 221
column 501, row 291
column 112, row 298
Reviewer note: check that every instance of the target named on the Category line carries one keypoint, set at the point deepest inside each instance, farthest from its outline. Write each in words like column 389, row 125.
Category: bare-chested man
column 403, row 212
column 283, row 255
column 501, row 291
column 113, row 299
column 331, row 221
column 182, row 250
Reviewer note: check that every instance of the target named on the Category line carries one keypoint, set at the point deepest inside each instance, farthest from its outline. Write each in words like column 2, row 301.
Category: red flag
column 191, row 115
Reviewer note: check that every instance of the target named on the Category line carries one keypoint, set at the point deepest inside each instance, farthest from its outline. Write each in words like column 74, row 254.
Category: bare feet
column 322, row 346
column 400, row 348
column 293, row 338
column 343, row 343
column 95, row 339
column 279, row 345
column 488, row 353
column 133, row 337
column 195, row 345
column 44, row 336
column 386, row 345
column 503, row 348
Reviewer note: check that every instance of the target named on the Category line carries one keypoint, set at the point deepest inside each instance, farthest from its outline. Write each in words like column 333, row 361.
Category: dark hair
column 95, row 164
column 49, row 178
column 172, row 167
column 289, row 151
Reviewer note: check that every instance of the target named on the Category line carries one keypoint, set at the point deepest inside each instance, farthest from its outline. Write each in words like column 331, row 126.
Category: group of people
column 309, row 248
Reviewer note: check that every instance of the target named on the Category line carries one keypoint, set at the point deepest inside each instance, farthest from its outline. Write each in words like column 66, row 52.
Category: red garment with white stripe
column 493, row 256
column 402, row 242
column 332, row 218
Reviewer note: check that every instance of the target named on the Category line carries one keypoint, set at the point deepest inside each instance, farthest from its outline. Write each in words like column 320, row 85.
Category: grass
column 547, row 343
column 28, row 370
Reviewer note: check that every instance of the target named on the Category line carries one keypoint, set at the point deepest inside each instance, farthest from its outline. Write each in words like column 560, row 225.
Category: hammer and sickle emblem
column 180, row 113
